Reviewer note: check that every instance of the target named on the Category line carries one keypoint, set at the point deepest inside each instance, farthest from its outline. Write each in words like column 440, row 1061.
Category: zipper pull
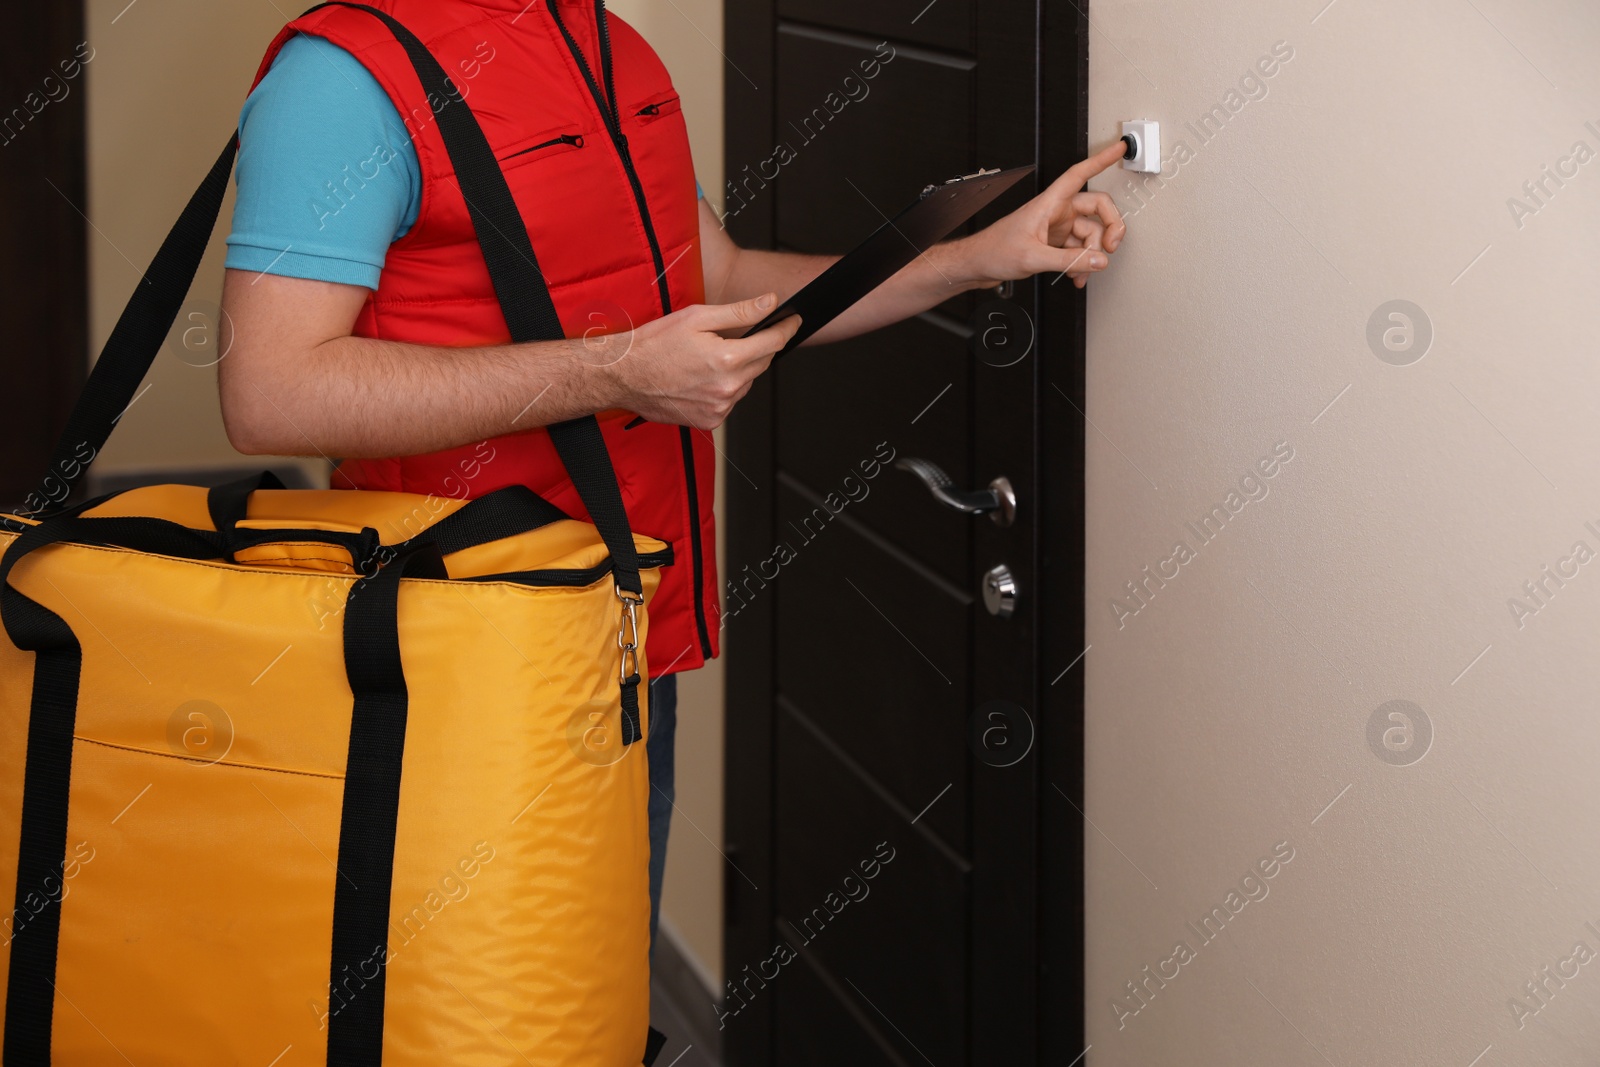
column 650, row 109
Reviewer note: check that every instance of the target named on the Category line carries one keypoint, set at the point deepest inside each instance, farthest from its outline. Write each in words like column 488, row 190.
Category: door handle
column 999, row 501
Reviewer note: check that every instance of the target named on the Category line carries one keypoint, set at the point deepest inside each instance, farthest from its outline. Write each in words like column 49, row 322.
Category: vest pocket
column 542, row 146
column 653, row 109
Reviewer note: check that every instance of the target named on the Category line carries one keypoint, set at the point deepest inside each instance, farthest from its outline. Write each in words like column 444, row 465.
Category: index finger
column 1079, row 174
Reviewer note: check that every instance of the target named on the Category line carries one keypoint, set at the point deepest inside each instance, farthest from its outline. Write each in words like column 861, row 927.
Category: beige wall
column 1231, row 712
column 688, row 35
column 164, row 90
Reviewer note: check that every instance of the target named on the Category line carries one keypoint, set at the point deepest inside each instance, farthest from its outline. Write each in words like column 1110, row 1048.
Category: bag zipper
column 567, row 138
column 571, row 577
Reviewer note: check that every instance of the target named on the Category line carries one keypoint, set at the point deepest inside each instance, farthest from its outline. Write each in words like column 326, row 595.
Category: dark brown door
column 43, row 254
column 889, row 804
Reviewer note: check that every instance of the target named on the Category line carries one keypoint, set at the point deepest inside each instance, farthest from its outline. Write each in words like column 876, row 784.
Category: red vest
column 612, row 253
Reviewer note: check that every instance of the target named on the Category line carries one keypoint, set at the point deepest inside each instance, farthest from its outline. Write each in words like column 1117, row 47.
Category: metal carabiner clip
column 628, row 635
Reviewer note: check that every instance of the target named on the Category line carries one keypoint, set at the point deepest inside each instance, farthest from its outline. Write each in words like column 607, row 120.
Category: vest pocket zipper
column 571, row 139
column 661, row 108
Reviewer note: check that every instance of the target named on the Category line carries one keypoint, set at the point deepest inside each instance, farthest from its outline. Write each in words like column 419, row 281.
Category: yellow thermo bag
column 298, row 776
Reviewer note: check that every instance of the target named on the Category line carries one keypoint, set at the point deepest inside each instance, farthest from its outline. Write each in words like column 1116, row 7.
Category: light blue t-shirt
column 327, row 176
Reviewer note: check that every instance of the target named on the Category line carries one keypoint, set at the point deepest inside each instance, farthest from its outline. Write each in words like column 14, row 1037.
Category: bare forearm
column 355, row 397
column 745, row 273
column 937, row 275
column 926, row 282
column 285, row 391
column 296, row 382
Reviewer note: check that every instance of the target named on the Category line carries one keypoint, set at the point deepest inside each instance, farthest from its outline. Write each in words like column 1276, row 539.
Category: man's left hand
column 1063, row 230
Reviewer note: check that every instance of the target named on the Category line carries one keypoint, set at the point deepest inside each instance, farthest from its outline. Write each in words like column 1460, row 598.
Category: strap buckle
column 628, row 635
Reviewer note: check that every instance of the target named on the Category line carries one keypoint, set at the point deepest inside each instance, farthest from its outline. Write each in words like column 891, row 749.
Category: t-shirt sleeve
column 327, row 176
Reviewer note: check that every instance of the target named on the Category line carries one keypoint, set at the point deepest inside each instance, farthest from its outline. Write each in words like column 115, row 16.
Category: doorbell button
column 1143, row 138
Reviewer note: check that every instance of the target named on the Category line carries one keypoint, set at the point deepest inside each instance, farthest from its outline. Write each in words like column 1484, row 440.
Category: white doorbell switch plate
column 1146, row 136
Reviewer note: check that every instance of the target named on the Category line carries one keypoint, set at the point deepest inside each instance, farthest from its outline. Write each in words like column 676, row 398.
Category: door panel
column 906, row 387
column 43, row 246
column 946, row 23
column 908, row 985
column 863, row 664
column 819, row 1029
column 910, row 125
column 869, row 621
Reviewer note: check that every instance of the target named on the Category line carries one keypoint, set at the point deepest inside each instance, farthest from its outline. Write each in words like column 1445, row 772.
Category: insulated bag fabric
column 324, row 776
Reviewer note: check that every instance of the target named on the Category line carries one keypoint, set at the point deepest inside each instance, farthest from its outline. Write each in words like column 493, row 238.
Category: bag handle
column 513, row 267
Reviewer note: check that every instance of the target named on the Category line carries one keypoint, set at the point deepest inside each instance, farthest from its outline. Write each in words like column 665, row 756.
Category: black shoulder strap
column 136, row 339
column 654, row 1042
column 524, row 298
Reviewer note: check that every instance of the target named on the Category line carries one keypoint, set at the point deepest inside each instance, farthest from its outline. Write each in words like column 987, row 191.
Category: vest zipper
column 613, row 124
column 691, row 487
column 604, row 100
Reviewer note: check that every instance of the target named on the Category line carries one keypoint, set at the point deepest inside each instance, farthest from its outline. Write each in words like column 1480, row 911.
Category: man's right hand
column 680, row 369
column 296, row 382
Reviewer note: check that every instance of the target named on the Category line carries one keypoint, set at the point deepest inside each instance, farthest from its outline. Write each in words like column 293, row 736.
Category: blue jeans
column 658, row 749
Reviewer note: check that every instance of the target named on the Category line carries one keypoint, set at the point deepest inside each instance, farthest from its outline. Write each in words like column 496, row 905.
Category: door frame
column 44, row 251
column 1056, row 775
column 1062, row 562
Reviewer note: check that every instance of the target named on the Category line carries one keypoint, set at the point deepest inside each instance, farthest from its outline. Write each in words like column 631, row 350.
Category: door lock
column 1000, row 591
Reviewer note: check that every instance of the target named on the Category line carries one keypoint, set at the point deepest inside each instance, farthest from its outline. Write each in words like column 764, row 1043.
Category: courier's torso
column 613, row 220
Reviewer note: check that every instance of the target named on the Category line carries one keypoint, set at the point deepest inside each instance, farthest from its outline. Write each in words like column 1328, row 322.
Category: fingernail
column 1097, row 261
column 765, row 302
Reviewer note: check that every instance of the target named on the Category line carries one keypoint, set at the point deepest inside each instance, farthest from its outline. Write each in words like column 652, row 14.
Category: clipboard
column 932, row 217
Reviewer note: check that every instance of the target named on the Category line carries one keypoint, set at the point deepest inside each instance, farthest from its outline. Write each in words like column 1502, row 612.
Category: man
column 365, row 325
